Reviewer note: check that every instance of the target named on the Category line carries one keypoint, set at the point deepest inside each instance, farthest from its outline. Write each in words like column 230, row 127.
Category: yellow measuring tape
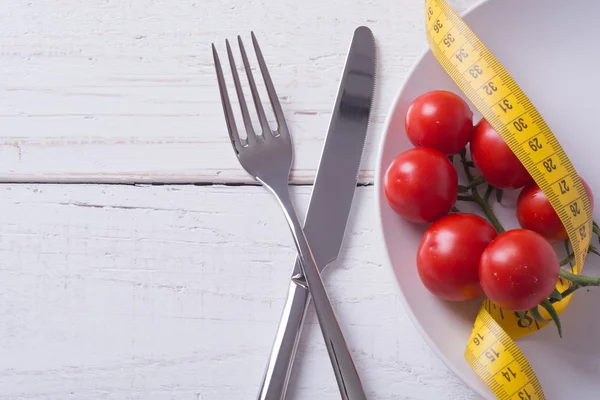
column 491, row 351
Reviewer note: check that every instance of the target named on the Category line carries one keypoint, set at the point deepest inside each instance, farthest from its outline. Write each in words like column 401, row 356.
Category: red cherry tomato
column 518, row 270
column 495, row 160
column 535, row 212
column 439, row 120
column 449, row 253
column 421, row 185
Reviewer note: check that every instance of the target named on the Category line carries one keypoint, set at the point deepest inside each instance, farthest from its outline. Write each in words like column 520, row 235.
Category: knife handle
column 278, row 371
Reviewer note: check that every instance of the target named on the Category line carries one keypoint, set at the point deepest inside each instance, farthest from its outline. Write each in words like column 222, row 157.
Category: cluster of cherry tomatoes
column 463, row 256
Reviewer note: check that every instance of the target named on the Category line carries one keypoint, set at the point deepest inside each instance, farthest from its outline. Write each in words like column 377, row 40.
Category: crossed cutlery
column 267, row 156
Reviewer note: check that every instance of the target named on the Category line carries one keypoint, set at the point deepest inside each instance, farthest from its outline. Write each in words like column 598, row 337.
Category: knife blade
column 330, row 202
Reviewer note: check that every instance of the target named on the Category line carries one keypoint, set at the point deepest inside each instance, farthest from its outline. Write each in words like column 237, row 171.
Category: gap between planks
column 204, row 184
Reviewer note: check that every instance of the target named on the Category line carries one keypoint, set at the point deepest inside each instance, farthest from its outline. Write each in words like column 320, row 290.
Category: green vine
column 470, row 193
column 475, row 197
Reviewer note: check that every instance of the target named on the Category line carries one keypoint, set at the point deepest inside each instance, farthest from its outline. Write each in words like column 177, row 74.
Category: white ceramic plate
column 550, row 47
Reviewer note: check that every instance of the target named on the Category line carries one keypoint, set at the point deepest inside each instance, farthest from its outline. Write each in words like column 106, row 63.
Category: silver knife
column 330, row 202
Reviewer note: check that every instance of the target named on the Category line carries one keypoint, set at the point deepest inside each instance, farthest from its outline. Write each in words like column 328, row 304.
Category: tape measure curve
column 491, row 351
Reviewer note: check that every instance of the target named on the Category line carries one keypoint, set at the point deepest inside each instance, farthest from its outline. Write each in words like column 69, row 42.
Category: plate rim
column 378, row 211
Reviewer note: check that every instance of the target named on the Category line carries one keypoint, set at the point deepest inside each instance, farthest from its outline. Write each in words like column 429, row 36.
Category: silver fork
column 268, row 159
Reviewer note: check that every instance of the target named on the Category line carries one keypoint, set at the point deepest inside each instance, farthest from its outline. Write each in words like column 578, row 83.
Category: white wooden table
column 112, row 287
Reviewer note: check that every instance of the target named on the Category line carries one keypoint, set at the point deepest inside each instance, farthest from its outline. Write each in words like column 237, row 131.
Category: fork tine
column 266, row 130
column 278, row 111
column 240, row 93
column 229, row 117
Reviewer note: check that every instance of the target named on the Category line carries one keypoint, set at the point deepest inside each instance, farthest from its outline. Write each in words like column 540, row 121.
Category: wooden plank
column 124, row 90
column 127, row 292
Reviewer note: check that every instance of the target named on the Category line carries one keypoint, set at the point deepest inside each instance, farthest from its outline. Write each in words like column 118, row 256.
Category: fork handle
column 277, row 374
column 343, row 366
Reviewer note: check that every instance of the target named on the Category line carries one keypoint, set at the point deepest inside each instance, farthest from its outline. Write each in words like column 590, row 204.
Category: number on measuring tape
column 489, row 88
column 524, row 395
column 535, row 144
column 475, row 71
column 520, row 124
column 583, row 232
column 575, row 210
column 564, row 187
column 549, row 164
column 448, row 40
column 505, row 105
column 524, row 322
column 462, row 55
column 509, row 374
column 492, row 355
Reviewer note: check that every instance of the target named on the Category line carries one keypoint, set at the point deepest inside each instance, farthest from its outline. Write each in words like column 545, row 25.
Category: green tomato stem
column 593, row 250
column 488, row 193
column 522, row 317
column 567, row 260
column 475, row 196
column 580, row 280
column 550, row 308
column 466, row 166
column 595, row 228
column 568, row 250
column 499, row 194
column 484, row 205
column 535, row 313
column 476, row 182
column 570, row 291
column 555, row 295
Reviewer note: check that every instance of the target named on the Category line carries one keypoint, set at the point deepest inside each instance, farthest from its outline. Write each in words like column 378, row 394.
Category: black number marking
column 509, row 374
column 462, row 54
column 549, row 165
column 448, row 40
column 520, row 125
column 564, row 188
column 524, row 322
column 429, row 13
column 475, row 71
column 505, row 105
column 524, row 395
column 437, row 26
column 582, row 232
column 478, row 339
column 575, row 209
column 490, row 88
column 535, row 144
column 492, row 355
